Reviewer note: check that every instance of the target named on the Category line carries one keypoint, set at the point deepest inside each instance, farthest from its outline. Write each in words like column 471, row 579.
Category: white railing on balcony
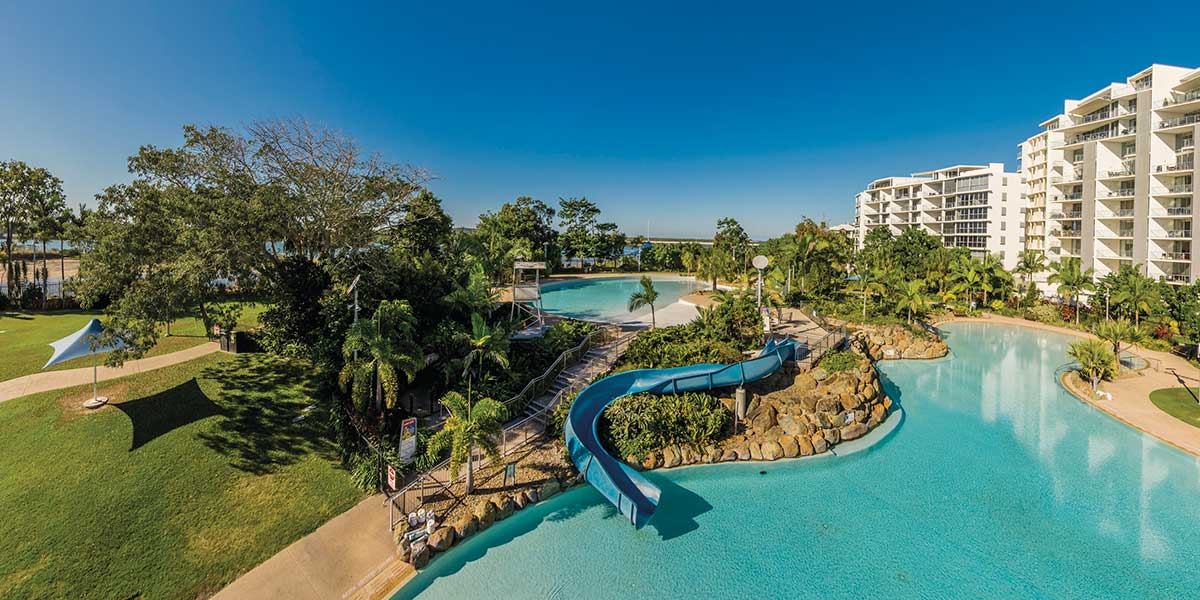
column 1173, row 256
column 1073, row 196
column 1179, row 233
column 1188, row 97
column 1122, row 173
column 1173, row 211
column 1178, row 277
column 1186, row 165
column 1121, row 193
column 1177, row 121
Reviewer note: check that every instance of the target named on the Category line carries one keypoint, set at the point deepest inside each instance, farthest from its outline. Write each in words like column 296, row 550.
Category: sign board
column 526, row 292
column 408, row 440
column 510, row 473
column 528, row 265
column 391, row 477
column 760, row 262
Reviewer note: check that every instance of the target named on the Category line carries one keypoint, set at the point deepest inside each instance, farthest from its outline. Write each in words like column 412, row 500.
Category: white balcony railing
column 1177, row 121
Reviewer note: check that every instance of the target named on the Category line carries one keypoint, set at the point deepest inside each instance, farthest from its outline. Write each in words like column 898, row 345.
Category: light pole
column 760, row 262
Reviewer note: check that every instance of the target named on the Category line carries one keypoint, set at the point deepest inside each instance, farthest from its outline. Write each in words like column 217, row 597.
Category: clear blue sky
column 676, row 114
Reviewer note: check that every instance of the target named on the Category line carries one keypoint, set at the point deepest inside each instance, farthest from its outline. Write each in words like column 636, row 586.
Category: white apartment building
column 1111, row 179
column 972, row 206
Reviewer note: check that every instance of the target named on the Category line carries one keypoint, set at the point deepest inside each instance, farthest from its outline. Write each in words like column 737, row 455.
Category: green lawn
column 1178, row 403
column 196, row 474
column 25, row 337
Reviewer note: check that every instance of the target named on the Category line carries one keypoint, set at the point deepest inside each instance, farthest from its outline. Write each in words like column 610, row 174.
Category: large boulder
column 465, row 526
column 853, row 431
column 670, row 456
column 729, row 455
column 742, row 451
column 520, row 500
column 818, row 443
column 442, row 538
column 819, row 374
column 804, row 382
column 771, row 451
column 550, row 488
column 791, row 449
column 688, row 456
column 762, row 419
column 755, row 451
column 712, row 454
column 419, row 557
column 504, row 507
column 485, row 513
column 806, row 445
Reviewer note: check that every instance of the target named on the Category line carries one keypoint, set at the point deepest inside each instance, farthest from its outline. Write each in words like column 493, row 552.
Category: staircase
column 594, row 362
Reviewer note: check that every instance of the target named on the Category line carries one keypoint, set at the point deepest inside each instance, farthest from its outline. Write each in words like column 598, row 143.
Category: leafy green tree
column 425, row 228
column 469, row 425
column 912, row 249
column 1137, row 294
column 868, row 284
column 377, row 352
column 912, row 298
column 524, row 228
column 734, row 241
column 809, row 244
column 1029, row 264
column 486, row 344
column 31, row 203
column 1095, row 360
column 577, row 217
column 1071, row 280
column 714, row 264
column 967, row 275
column 646, row 296
column 1119, row 331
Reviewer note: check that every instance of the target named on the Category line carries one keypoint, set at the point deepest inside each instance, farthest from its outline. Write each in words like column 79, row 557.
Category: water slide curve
column 630, row 491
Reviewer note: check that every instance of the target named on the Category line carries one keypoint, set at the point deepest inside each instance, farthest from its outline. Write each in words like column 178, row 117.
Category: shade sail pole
column 95, row 393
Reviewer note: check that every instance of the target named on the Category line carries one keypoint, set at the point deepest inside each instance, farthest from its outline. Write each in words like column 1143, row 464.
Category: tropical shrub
column 840, row 360
column 677, row 346
column 1045, row 313
column 643, row 423
column 1096, row 361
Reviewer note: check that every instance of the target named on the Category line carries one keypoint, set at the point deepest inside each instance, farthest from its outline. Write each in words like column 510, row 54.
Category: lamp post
column 760, row 262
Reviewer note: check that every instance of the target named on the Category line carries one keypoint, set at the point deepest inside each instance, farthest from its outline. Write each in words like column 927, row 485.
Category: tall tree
column 577, row 218
column 377, row 352
column 645, row 296
column 733, row 239
column 1029, row 264
column 912, row 298
column 1071, row 280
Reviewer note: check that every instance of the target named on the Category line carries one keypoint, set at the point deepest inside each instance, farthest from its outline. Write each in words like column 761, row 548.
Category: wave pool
column 998, row 484
column 607, row 298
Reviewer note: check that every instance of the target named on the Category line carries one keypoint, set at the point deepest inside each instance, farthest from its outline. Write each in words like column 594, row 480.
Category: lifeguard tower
column 527, row 301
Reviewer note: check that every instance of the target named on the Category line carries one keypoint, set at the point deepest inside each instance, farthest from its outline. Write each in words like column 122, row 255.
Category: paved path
column 1131, row 394
column 57, row 380
column 334, row 561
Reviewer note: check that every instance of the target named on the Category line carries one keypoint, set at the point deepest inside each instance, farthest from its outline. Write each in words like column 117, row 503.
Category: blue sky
column 675, row 114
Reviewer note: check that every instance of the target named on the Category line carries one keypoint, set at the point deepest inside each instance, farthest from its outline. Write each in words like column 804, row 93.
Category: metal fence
column 437, row 482
column 830, row 341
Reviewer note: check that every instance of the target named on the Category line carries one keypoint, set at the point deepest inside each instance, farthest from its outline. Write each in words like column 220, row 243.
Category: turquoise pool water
column 607, row 298
column 997, row 485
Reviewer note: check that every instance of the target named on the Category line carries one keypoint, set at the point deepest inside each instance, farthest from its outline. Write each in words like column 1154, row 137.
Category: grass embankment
column 193, row 476
column 1179, row 403
column 25, row 337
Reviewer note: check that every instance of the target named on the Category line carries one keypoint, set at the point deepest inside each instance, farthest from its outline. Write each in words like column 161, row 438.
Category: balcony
column 1173, row 256
column 1191, row 96
column 1178, row 211
column 1121, row 193
column 1124, row 213
column 1176, row 277
column 1068, row 215
column 1179, row 121
column 1186, row 165
column 1073, row 196
column 1179, row 233
column 1121, row 173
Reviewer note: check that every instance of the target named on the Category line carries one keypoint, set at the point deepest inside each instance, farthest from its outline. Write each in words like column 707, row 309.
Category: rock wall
column 484, row 512
column 895, row 342
column 791, row 414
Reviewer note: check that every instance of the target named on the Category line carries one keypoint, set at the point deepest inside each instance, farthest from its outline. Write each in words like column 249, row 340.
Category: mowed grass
column 1179, row 403
column 192, row 477
column 25, row 337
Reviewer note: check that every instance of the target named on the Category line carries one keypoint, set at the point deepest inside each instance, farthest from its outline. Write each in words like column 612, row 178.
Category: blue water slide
column 628, row 490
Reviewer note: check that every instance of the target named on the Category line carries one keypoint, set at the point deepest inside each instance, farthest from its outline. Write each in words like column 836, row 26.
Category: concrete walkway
column 335, row 561
column 1131, row 393
column 57, row 380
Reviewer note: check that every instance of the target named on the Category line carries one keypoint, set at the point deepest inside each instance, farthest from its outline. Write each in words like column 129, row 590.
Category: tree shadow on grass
column 260, row 431
column 167, row 411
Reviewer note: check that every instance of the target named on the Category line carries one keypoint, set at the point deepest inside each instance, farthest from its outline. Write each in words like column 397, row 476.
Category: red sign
column 391, row 477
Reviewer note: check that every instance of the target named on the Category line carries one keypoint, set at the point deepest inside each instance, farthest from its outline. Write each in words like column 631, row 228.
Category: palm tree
column 937, row 269
column 1138, row 293
column 714, row 263
column 1119, row 331
column 967, row 275
column 487, row 344
column 1071, row 280
column 468, row 425
column 377, row 352
column 1029, row 264
column 912, row 298
column 1096, row 362
column 868, row 285
column 809, row 243
column 646, row 296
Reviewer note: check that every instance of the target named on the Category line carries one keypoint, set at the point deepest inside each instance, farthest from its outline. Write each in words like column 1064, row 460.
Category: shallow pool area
column 997, row 484
column 607, row 298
